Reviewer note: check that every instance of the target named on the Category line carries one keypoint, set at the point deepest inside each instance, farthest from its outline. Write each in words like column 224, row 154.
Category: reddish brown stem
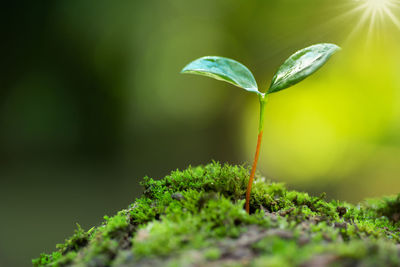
column 253, row 171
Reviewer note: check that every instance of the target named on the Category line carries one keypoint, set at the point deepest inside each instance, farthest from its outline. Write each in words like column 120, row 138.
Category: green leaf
column 301, row 65
column 224, row 69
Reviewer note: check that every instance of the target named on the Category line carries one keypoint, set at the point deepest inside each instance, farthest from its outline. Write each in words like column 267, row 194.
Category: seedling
column 295, row 69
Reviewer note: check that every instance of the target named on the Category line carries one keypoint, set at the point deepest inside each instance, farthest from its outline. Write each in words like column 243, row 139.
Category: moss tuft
column 196, row 217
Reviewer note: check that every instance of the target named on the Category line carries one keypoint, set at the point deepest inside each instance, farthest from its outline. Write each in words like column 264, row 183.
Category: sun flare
column 375, row 15
column 376, row 5
column 377, row 11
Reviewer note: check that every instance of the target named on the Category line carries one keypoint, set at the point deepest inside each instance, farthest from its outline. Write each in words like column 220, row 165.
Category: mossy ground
column 195, row 217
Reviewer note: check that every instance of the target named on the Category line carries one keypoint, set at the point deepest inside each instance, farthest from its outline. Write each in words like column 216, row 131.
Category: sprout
column 295, row 69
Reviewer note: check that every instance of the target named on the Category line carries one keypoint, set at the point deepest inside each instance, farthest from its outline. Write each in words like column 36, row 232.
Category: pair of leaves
column 295, row 69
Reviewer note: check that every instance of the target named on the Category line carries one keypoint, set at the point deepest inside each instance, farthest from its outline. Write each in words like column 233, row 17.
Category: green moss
column 196, row 216
column 212, row 253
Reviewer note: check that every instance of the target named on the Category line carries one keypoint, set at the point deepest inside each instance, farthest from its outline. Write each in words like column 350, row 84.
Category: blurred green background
column 91, row 101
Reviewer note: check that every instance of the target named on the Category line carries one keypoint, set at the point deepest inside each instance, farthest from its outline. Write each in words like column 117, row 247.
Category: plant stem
column 263, row 102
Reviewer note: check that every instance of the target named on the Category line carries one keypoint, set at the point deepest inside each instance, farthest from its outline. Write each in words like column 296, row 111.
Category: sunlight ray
column 374, row 13
column 358, row 27
column 392, row 17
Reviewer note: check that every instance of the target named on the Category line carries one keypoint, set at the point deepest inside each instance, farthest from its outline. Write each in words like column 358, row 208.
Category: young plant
column 295, row 69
